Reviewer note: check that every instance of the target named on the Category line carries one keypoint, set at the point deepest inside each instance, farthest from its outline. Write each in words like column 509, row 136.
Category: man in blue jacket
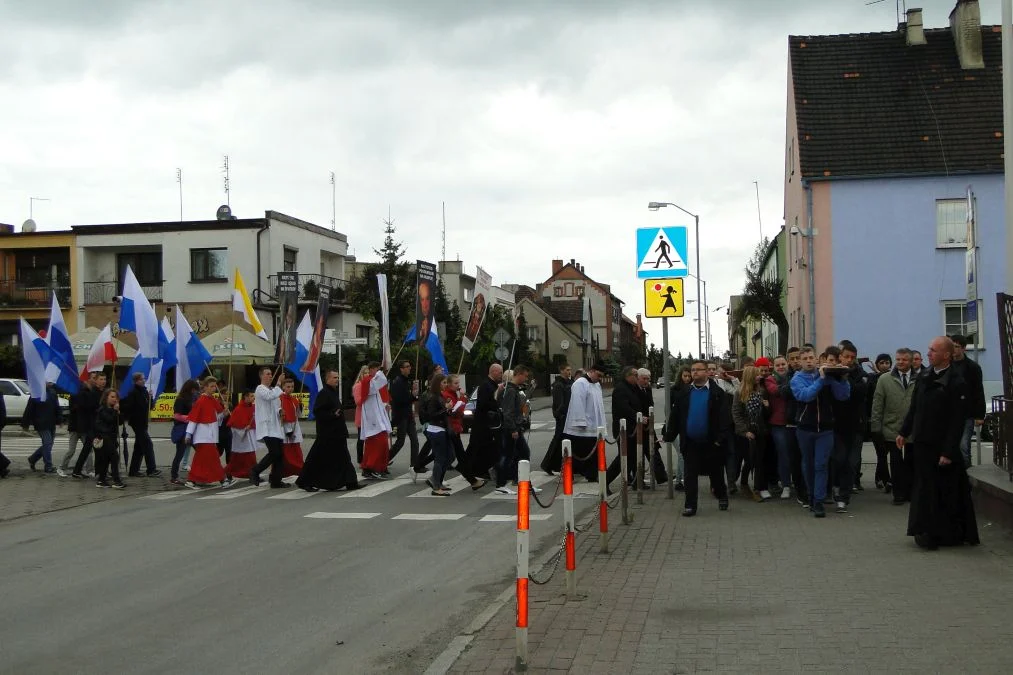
column 814, row 393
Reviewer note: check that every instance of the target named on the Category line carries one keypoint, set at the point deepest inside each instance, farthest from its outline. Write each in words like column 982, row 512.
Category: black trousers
column 882, row 460
column 553, row 460
column 901, row 467
column 406, row 429
column 424, row 457
column 795, row 458
column 273, row 458
column 703, row 458
column 82, row 457
column 463, row 462
column 143, row 449
column 758, row 461
column 483, row 450
column 616, row 467
column 107, row 460
column 359, row 445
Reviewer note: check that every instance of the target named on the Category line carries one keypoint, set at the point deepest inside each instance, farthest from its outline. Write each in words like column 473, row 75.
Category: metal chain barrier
column 555, row 493
column 555, row 565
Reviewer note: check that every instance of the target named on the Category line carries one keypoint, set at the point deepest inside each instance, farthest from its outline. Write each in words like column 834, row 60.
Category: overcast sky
column 546, row 127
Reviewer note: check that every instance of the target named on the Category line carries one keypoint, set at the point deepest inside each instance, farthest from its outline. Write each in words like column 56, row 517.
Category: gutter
column 812, row 282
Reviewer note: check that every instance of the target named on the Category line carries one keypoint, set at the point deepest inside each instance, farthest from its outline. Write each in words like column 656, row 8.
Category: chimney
column 965, row 25
column 573, row 263
column 556, row 266
column 914, row 29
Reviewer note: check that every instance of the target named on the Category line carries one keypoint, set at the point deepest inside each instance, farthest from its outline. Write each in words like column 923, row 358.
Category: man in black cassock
column 328, row 465
column 941, row 510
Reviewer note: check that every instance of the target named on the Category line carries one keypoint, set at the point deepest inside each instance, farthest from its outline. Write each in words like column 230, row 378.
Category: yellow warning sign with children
column 663, row 298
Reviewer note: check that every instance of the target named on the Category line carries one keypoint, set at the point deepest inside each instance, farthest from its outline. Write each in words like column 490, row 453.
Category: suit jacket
column 625, row 405
column 329, row 425
column 719, row 416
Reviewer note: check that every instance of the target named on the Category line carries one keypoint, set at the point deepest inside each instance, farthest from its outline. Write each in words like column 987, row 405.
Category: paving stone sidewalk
column 765, row 588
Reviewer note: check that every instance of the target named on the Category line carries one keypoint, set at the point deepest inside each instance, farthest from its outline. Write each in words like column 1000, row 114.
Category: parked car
column 469, row 411
column 16, row 394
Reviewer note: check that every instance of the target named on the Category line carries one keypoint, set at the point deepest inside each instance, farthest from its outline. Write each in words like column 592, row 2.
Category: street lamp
column 654, row 206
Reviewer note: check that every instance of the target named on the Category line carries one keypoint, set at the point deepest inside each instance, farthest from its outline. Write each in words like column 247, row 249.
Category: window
column 951, row 223
column 580, row 291
column 8, row 388
column 209, row 264
column 147, row 267
column 468, row 294
column 363, row 332
column 569, row 289
column 955, row 322
column 289, row 259
column 533, row 333
column 557, row 291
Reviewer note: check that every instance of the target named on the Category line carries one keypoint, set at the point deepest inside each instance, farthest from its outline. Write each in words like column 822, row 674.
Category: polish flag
column 101, row 352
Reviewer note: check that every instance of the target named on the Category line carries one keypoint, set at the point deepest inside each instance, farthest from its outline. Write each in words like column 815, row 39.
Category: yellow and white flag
column 241, row 303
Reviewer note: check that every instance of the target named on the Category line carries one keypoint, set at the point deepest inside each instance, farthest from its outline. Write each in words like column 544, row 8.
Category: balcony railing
column 21, row 294
column 103, row 292
column 309, row 285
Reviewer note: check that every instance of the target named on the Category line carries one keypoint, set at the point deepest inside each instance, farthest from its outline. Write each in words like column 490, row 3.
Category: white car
column 16, row 395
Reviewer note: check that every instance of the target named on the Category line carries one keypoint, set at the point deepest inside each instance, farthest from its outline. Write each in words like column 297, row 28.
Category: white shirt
column 267, row 412
column 204, row 432
column 243, row 440
column 587, row 409
column 374, row 413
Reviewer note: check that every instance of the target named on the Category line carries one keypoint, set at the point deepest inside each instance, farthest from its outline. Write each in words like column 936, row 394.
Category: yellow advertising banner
column 164, row 403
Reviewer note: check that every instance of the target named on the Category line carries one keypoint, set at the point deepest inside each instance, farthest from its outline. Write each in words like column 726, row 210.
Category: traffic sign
column 502, row 353
column 663, row 298
column 662, row 252
column 500, row 337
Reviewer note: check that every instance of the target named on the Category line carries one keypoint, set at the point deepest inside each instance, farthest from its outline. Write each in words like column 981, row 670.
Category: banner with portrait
column 479, row 303
column 425, row 299
column 288, row 322
column 319, row 326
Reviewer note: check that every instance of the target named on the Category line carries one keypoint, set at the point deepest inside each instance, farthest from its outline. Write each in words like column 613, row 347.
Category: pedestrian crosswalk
column 329, row 504
column 25, row 445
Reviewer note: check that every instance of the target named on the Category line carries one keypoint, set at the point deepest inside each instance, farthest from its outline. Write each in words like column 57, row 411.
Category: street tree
column 761, row 297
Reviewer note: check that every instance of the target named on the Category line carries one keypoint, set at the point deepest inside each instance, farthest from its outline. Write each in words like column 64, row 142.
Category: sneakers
column 228, row 482
column 442, row 492
column 31, row 465
column 842, row 507
column 535, row 489
column 818, row 511
column 50, row 470
column 190, row 484
column 505, row 491
column 154, row 472
column 102, row 484
column 680, row 486
column 119, row 486
column 78, row 475
column 764, row 495
column 786, row 493
column 175, row 481
column 61, row 473
column 255, row 478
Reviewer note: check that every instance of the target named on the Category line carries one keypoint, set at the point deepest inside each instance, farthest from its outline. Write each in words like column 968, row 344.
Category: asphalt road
column 259, row 580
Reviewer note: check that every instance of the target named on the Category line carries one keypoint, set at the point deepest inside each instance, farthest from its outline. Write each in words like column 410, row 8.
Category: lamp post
column 707, row 335
column 654, row 206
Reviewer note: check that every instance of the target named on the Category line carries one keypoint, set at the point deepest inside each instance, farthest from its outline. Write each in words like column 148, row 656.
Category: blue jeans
column 443, row 454
column 965, row 442
column 782, row 444
column 816, row 448
column 45, row 451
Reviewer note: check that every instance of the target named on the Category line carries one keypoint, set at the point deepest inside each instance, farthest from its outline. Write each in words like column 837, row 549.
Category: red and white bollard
column 569, row 521
column 523, row 496
column 603, row 515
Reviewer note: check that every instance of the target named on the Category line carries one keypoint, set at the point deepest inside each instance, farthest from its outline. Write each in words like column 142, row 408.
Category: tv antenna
column 31, row 205
column 179, row 179
column 334, row 214
column 225, row 170
column 901, row 8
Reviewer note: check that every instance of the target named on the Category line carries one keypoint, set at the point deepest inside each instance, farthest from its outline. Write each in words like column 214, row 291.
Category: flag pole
column 460, row 363
column 232, row 346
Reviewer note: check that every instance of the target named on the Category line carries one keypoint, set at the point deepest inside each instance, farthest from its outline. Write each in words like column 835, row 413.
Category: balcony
column 103, row 292
column 309, row 283
column 21, row 294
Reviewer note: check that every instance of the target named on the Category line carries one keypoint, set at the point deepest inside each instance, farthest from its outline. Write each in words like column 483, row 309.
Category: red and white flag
column 101, row 352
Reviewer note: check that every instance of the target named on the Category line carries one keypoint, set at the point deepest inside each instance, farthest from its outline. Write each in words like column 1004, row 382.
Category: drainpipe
column 267, row 224
column 812, row 278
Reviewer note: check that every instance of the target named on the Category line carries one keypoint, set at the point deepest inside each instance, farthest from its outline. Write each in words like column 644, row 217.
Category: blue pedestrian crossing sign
column 662, row 252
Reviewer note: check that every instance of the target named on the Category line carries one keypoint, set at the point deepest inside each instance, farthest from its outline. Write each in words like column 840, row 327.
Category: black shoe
column 134, row 474
column 926, row 542
column 154, row 472
column 688, row 513
column 119, row 486
column 723, row 505
column 819, row 511
column 899, row 502
column 680, row 486
column 77, row 475
column 353, row 486
column 102, row 484
column 281, row 486
column 51, row 469
column 888, row 488
column 31, row 465
column 254, row 478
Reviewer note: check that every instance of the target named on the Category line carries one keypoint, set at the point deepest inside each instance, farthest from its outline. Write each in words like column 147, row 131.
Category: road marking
column 326, row 515
column 233, row 493
column 512, row 518
column 162, row 496
column 429, row 516
column 539, row 425
column 294, row 494
column 376, row 489
column 456, row 484
column 537, row 480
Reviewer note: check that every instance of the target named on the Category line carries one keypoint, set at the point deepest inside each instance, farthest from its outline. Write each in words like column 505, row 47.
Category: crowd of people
column 791, row 427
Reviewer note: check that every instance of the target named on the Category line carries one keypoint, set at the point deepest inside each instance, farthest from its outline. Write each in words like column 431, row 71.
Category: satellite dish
column 224, row 212
column 564, row 344
column 28, row 226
